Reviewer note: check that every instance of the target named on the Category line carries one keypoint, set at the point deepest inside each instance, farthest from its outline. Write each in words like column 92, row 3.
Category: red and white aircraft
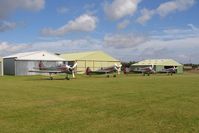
column 144, row 70
column 55, row 70
column 105, row 70
column 169, row 70
column 147, row 70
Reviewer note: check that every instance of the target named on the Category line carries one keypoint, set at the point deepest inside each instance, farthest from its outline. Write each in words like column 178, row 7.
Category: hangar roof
column 160, row 62
column 92, row 55
column 37, row 55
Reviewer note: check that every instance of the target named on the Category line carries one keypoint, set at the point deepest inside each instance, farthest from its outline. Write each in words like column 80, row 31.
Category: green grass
column 126, row 104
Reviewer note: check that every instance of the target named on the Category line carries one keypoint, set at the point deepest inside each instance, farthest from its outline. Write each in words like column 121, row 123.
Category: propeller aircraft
column 144, row 70
column 169, row 71
column 55, row 70
column 105, row 70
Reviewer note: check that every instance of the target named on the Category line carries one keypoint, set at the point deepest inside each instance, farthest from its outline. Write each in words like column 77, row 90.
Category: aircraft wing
column 101, row 72
column 46, row 71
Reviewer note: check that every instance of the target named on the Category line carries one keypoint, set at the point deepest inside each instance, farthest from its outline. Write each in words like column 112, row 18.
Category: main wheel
column 51, row 78
column 114, row 75
column 67, row 78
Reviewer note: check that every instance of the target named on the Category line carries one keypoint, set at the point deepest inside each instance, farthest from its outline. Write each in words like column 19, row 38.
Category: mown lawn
column 125, row 104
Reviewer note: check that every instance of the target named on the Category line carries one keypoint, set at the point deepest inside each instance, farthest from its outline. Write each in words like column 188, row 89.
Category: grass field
column 126, row 104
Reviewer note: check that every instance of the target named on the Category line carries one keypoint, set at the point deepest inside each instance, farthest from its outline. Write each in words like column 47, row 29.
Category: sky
column 129, row 30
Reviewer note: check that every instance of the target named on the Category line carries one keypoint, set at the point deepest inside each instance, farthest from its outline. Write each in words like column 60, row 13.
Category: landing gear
column 67, row 77
column 114, row 75
column 171, row 74
column 148, row 74
column 51, row 78
column 107, row 76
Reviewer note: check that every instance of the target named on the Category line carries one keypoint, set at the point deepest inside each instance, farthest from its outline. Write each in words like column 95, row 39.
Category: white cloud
column 5, row 26
column 123, row 24
column 84, row 23
column 194, row 28
column 84, row 44
column 120, row 41
column 6, row 47
column 145, row 16
column 160, row 44
column 180, row 44
column 9, row 6
column 67, row 45
column 172, row 6
column 165, row 9
column 176, row 33
column 170, row 49
column 120, row 8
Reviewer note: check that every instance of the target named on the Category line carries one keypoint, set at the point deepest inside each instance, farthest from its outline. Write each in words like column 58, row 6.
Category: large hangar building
column 93, row 59
column 21, row 63
column 159, row 64
column 1, row 66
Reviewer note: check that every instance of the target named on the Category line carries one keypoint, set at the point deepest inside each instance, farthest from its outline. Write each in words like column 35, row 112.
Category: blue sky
column 126, row 29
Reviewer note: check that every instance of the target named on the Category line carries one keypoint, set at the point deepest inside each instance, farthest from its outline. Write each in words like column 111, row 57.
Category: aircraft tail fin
column 152, row 68
column 88, row 71
column 41, row 65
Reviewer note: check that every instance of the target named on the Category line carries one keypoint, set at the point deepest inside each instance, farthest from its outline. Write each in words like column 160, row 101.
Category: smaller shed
column 21, row 63
column 1, row 66
column 92, row 59
column 159, row 64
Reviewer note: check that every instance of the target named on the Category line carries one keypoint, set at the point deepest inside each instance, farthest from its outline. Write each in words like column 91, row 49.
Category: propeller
column 74, row 65
column 117, row 68
column 175, row 69
column 71, row 68
column 152, row 68
column 67, row 66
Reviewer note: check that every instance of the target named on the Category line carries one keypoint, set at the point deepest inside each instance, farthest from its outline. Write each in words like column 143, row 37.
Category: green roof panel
column 93, row 55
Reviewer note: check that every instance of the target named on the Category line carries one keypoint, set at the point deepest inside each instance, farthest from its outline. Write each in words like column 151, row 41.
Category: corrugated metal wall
column 9, row 66
column 137, row 68
column 180, row 69
column 23, row 67
column 159, row 68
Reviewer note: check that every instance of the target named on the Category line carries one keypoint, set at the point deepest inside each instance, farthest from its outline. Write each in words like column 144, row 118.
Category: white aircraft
column 55, row 70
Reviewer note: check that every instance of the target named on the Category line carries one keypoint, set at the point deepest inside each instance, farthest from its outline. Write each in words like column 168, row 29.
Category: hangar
column 93, row 59
column 21, row 63
column 159, row 64
column 1, row 66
